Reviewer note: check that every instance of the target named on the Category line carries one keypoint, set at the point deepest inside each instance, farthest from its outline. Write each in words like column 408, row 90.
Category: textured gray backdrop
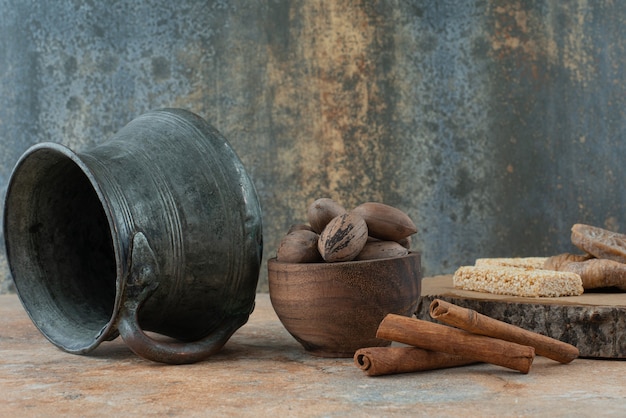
column 495, row 125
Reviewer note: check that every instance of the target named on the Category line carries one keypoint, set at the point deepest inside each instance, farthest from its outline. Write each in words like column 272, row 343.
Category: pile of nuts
column 369, row 231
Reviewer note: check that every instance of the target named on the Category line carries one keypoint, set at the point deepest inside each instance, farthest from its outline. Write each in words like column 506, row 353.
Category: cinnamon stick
column 438, row 337
column 474, row 322
column 378, row 361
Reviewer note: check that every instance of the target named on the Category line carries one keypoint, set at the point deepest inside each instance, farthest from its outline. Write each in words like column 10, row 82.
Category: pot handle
column 141, row 284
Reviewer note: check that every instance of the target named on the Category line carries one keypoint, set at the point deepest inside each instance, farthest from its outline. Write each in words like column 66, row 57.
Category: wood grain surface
column 594, row 322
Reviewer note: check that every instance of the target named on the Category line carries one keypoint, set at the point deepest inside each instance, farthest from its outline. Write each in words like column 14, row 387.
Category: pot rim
column 73, row 157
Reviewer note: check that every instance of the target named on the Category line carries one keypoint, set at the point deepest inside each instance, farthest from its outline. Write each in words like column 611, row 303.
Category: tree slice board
column 594, row 322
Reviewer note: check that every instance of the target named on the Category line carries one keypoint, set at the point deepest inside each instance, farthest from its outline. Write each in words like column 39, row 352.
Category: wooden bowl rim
column 338, row 264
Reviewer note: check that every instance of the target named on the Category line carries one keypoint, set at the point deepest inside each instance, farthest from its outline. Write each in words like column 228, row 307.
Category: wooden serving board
column 594, row 322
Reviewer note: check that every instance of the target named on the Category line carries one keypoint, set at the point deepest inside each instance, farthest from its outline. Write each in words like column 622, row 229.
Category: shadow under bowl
column 334, row 309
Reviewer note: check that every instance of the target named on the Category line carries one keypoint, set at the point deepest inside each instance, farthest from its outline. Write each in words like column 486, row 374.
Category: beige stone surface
column 263, row 371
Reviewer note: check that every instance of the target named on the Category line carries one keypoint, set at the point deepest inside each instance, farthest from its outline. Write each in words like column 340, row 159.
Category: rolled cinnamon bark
column 437, row 337
column 476, row 323
column 378, row 361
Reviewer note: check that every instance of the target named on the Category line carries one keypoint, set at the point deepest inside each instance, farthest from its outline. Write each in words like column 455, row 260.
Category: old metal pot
column 157, row 229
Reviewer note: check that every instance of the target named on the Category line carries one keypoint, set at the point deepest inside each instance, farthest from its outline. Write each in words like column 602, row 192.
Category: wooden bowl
column 333, row 309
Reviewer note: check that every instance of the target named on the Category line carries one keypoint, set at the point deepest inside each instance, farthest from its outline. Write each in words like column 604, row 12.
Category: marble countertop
column 263, row 371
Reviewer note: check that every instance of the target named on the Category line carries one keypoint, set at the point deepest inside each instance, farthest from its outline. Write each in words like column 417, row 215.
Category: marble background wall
column 495, row 125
